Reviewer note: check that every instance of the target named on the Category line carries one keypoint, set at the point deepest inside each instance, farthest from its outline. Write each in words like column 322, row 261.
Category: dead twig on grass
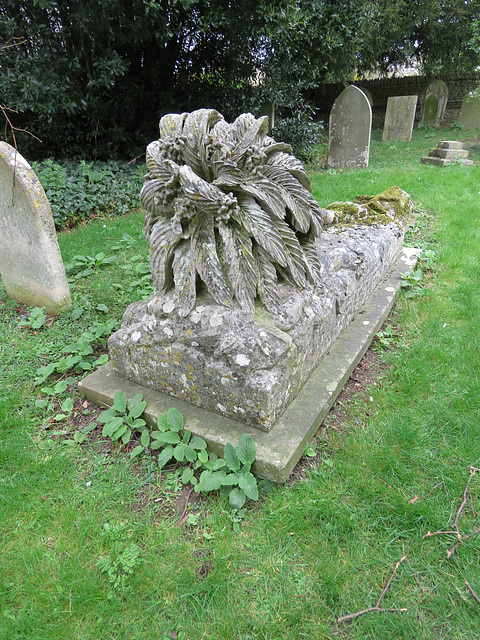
column 186, row 505
column 472, row 591
column 455, row 528
column 417, row 498
column 377, row 607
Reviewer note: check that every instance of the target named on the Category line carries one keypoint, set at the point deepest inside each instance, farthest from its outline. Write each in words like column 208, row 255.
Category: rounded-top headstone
column 349, row 130
column 31, row 264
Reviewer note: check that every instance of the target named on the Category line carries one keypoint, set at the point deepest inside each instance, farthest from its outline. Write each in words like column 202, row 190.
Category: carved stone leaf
column 184, row 276
column 266, row 194
column 295, row 196
column 259, row 225
column 246, row 130
column 293, row 252
column 242, row 272
column 207, row 262
column 228, row 175
column 289, row 162
column 272, row 147
column 171, row 125
column 311, row 259
column 196, row 130
column 201, row 193
column 267, row 280
column 163, row 241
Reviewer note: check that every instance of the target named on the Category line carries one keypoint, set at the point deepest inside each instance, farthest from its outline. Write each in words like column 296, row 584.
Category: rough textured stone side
column 250, row 368
column 30, row 261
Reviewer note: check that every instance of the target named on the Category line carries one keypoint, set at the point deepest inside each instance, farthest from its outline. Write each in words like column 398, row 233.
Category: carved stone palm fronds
column 228, row 204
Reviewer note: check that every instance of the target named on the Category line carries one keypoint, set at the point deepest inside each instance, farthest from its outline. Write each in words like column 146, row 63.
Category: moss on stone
column 392, row 205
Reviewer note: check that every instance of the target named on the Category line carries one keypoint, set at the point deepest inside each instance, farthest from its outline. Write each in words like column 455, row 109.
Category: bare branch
column 387, row 586
column 352, row 616
column 377, row 607
column 472, row 591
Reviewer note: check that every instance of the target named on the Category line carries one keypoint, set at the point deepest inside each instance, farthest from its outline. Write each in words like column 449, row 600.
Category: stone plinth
column 447, row 152
column 250, row 368
column 279, row 449
column 30, row 261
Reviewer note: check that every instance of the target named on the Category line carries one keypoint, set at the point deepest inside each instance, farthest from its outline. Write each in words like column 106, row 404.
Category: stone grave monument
column 447, row 152
column 350, row 127
column 30, row 261
column 469, row 116
column 399, row 118
column 252, row 289
column 268, row 109
column 435, row 103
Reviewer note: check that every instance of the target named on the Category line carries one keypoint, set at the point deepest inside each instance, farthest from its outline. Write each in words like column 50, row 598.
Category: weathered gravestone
column 350, row 127
column 268, row 109
column 435, row 103
column 30, row 261
column 250, row 292
column 399, row 118
column 469, row 116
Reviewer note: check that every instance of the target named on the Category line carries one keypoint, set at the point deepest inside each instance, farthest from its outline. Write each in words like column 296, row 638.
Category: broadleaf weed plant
column 232, row 473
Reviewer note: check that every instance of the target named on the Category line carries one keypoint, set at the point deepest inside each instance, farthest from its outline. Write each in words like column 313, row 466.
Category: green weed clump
column 81, row 190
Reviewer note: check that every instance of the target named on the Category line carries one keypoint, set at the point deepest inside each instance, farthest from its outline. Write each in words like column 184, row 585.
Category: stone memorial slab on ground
column 31, row 264
column 447, row 152
column 399, row 118
column 244, row 332
column 469, row 117
column 435, row 103
column 349, row 130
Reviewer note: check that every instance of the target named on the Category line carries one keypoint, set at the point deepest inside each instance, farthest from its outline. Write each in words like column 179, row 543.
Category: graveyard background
column 97, row 546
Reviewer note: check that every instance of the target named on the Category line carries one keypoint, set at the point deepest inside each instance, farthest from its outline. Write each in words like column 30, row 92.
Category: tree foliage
column 97, row 76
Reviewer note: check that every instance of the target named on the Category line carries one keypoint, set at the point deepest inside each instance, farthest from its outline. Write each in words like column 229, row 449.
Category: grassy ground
column 94, row 548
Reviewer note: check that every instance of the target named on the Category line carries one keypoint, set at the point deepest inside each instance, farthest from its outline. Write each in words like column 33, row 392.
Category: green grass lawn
column 95, row 547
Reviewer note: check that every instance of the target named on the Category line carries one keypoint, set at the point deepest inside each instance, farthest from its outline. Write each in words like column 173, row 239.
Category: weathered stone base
column 278, row 450
column 250, row 368
column 447, row 152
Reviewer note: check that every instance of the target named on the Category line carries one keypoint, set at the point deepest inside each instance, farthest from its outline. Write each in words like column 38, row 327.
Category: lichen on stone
column 392, row 205
column 229, row 209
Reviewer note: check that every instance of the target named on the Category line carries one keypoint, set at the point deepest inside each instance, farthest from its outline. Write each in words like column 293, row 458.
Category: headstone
column 268, row 109
column 399, row 118
column 436, row 97
column 30, row 261
column 349, row 130
column 447, row 152
column 469, row 116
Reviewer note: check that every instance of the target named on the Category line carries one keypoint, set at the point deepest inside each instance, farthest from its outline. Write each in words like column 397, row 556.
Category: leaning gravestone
column 469, row 116
column 349, row 130
column 399, row 118
column 30, row 261
column 251, row 290
column 435, row 103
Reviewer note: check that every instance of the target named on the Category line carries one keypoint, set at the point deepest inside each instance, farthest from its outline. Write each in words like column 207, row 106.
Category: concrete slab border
column 279, row 450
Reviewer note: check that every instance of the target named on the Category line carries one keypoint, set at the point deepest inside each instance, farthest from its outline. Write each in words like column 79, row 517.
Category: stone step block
column 448, row 153
column 442, row 162
column 450, row 144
